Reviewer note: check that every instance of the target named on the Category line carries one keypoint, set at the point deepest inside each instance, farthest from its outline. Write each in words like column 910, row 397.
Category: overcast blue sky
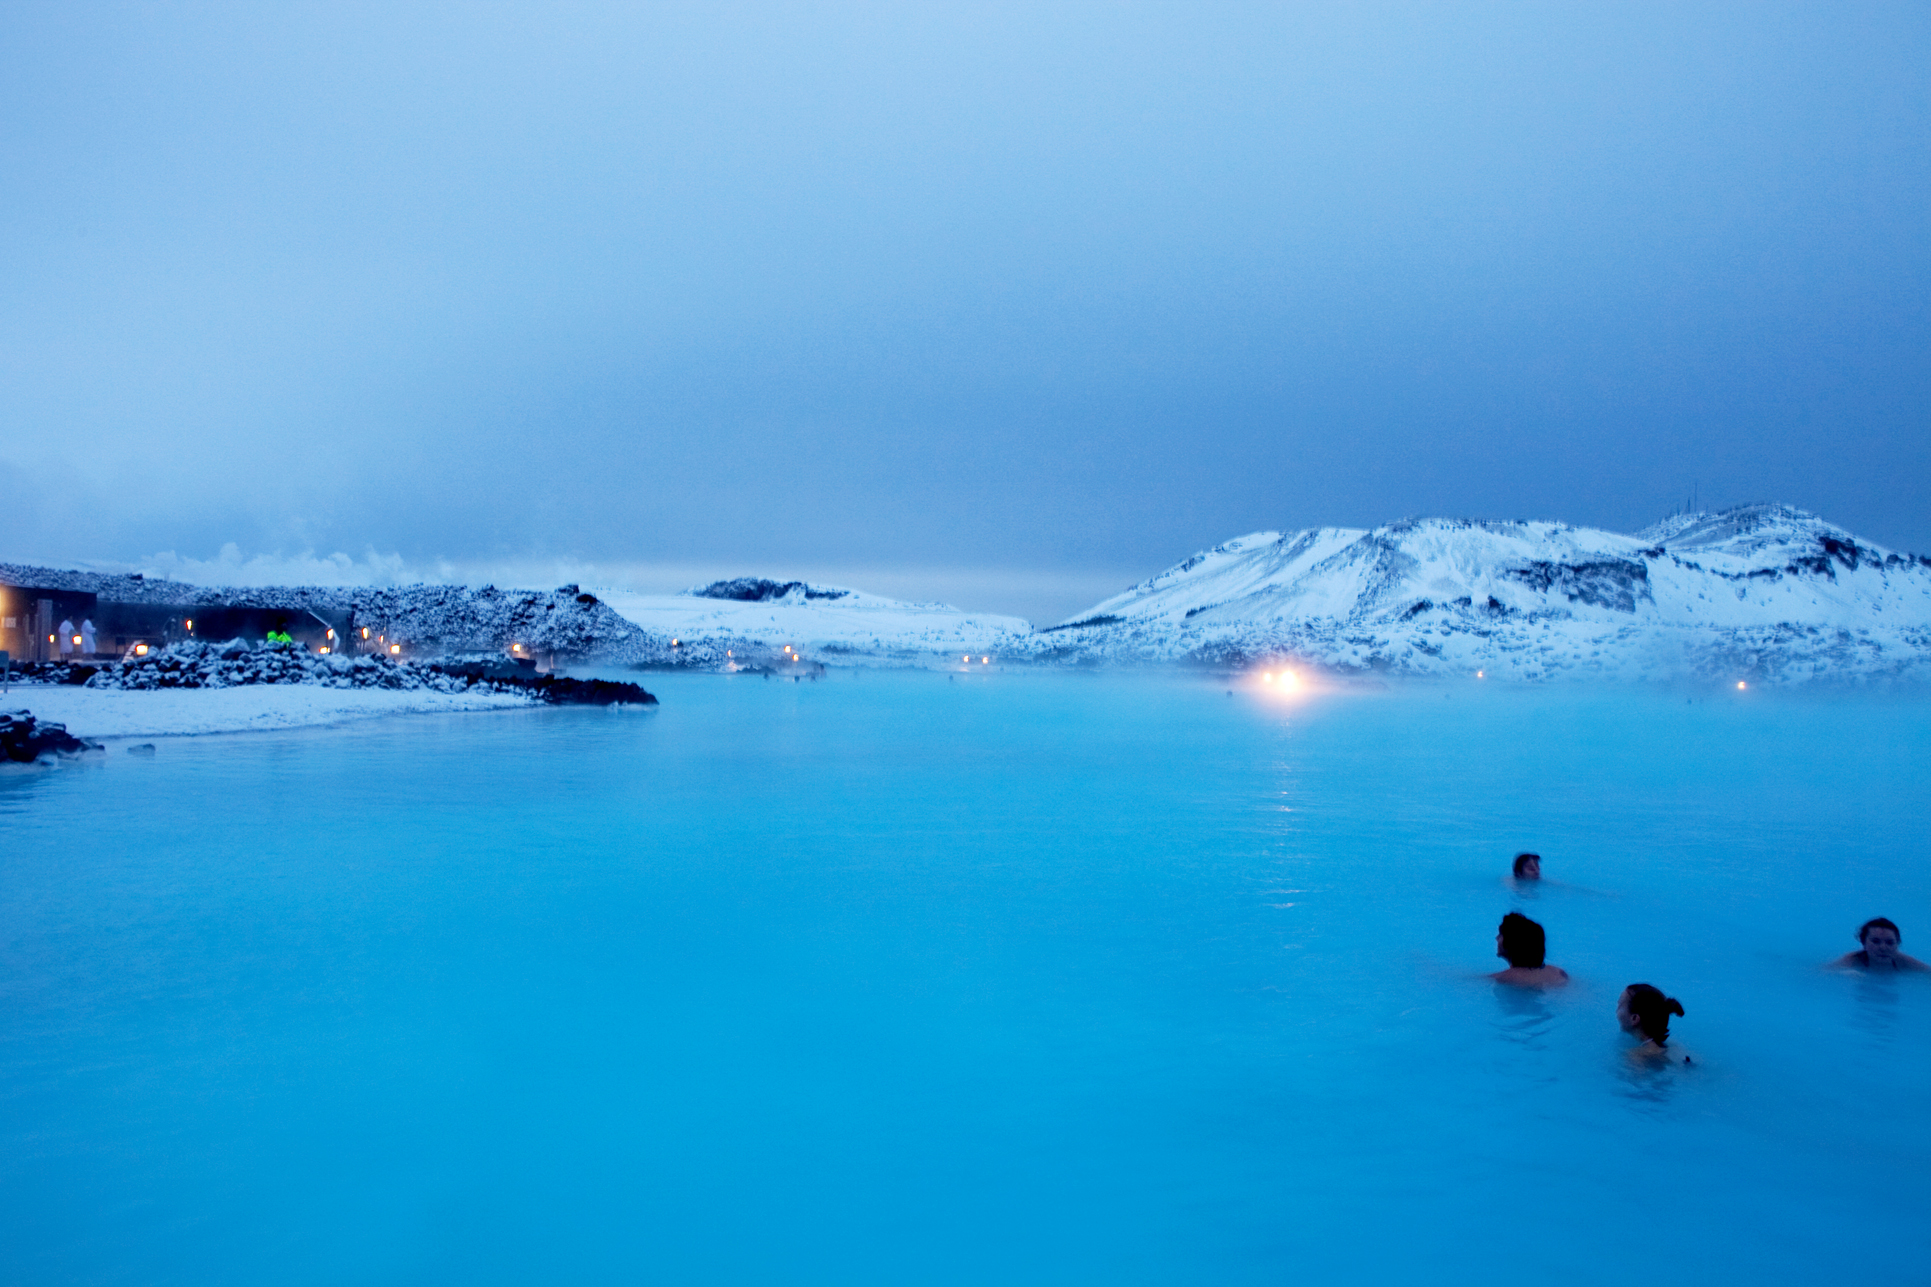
column 1042, row 294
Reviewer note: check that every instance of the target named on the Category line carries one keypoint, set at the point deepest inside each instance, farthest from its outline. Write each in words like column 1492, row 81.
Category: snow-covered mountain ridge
column 1758, row 592
column 1762, row 592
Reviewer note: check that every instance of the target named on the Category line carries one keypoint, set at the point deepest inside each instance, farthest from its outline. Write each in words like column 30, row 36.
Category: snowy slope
column 1757, row 592
column 826, row 620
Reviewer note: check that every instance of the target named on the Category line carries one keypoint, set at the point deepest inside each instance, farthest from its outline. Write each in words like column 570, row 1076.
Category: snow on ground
column 822, row 619
column 97, row 713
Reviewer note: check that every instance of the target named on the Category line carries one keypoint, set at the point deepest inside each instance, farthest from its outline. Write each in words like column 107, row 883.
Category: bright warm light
column 77, row 644
column 189, row 623
column 395, row 647
column 1740, row 684
column 325, row 651
column 985, row 661
column 1479, row 675
column 140, row 650
column 673, row 643
column 1267, row 678
column 1287, row 676
column 787, row 647
column 365, row 632
column 965, row 659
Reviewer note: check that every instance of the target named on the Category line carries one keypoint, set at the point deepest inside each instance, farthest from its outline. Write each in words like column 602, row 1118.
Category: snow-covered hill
column 1759, row 592
column 826, row 621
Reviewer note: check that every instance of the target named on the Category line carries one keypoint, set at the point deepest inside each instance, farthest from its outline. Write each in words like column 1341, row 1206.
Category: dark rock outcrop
column 752, row 589
column 24, row 739
column 557, row 690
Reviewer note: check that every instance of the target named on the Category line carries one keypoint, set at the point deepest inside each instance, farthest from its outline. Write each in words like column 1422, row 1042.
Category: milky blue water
column 1024, row 979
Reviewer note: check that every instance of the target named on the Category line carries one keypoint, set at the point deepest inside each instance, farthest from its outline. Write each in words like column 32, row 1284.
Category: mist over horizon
column 993, row 306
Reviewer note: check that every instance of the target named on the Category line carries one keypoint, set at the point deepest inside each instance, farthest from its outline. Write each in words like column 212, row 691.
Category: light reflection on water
column 893, row 978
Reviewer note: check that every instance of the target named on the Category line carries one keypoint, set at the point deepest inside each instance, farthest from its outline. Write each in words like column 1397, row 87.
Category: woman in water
column 1644, row 1012
column 1521, row 942
column 1877, row 952
column 1528, row 867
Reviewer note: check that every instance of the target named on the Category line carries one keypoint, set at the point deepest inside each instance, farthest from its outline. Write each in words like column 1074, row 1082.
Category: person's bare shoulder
column 1541, row 976
column 1848, row 961
column 1912, row 963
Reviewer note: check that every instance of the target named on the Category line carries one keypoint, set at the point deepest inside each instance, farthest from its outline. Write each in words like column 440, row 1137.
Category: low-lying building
column 71, row 620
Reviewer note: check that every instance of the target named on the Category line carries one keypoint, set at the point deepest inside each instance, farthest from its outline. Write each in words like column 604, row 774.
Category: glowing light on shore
column 1741, row 684
column 1480, row 675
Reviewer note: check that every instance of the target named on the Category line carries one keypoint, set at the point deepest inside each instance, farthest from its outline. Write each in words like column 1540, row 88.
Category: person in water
column 1877, row 949
column 1644, row 1012
column 1521, row 942
column 1528, row 867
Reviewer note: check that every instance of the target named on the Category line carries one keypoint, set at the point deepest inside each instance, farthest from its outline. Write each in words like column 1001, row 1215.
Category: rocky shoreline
column 24, row 739
column 238, row 663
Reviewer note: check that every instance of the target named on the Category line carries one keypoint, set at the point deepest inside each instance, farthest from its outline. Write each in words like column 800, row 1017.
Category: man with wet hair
column 1878, row 939
column 1522, row 943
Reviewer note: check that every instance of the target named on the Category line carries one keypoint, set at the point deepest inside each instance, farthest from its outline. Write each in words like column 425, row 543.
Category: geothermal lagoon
column 903, row 978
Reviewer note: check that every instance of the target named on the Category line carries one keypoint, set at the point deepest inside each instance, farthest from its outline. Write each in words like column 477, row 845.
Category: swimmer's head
column 1528, row 866
column 1521, row 941
column 1644, row 1011
column 1880, row 938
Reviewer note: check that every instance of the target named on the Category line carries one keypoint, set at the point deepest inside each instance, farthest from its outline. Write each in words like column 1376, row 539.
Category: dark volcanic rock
column 591, row 692
column 752, row 589
column 558, row 690
column 23, row 739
